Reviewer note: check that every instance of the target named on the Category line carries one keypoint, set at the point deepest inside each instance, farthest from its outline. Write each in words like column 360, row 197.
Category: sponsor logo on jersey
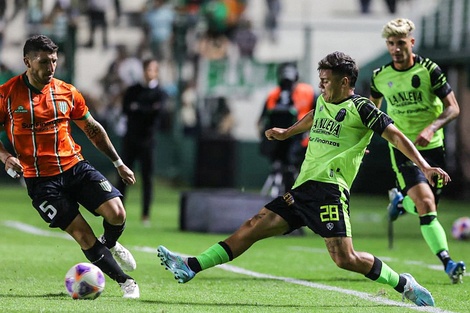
column 288, row 198
column 21, row 109
column 327, row 126
column 401, row 99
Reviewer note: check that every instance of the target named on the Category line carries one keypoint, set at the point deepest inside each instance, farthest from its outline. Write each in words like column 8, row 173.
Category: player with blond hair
column 421, row 102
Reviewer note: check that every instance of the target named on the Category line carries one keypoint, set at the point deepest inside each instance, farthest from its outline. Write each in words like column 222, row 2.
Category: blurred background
column 218, row 62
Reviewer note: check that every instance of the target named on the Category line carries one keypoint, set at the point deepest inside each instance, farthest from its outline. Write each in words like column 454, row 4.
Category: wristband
column 12, row 173
column 118, row 163
column 10, row 156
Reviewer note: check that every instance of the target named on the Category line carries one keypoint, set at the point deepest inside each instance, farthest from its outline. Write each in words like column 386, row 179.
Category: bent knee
column 113, row 211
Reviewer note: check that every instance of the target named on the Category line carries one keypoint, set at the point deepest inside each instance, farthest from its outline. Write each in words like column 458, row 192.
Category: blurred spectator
column 56, row 24
column 124, row 71
column 5, row 73
column 118, row 10
column 222, row 16
column 189, row 113
column 245, row 39
column 96, row 11
column 221, row 120
column 3, row 22
column 271, row 21
column 158, row 18
column 391, row 5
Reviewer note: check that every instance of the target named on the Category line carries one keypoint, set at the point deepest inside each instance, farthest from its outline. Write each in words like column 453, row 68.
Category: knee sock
column 217, row 254
column 409, row 205
column 382, row 273
column 112, row 233
column 100, row 256
column 435, row 236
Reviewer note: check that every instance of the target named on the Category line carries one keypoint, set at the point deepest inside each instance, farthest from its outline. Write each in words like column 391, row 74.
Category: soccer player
column 340, row 126
column 36, row 110
column 421, row 102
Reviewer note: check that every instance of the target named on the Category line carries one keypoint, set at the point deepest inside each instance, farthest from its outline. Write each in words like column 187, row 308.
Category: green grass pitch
column 281, row 274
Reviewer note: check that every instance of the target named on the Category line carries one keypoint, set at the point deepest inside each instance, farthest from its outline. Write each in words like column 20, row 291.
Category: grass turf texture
column 33, row 266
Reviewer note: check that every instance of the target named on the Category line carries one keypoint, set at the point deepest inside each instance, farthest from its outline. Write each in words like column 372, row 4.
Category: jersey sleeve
column 371, row 116
column 439, row 82
column 80, row 108
column 374, row 91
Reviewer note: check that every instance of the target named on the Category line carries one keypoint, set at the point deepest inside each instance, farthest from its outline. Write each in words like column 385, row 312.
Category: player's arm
column 376, row 101
column 402, row 143
column 451, row 111
column 12, row 164
column 302, row 125
column 100, row 139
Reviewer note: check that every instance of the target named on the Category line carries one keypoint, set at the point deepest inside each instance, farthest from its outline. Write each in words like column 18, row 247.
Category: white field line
column 362, row 295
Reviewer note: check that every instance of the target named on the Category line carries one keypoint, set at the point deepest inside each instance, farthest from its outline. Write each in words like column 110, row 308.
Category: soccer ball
column 84, row 281
column 461, row 228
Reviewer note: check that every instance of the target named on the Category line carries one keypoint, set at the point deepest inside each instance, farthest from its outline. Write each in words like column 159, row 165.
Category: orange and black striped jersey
column 37, row 123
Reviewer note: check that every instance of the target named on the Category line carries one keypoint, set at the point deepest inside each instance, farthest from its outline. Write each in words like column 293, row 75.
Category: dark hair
column 146, row 62
column 38, row 43
column 340, row 64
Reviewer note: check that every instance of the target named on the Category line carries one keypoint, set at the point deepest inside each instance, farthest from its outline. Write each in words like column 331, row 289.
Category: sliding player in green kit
column 341, row 127
column 421, row 102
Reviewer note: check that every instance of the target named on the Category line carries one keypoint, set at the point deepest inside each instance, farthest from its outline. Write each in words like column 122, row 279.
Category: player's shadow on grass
column 312, row 279
column 313, row 307
column 47, row 295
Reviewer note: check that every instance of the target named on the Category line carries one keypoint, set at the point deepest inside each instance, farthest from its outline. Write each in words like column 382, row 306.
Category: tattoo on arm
column 98, row 136
column 92, row 130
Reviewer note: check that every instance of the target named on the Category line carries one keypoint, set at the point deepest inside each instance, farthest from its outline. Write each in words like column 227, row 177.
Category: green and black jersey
column 338, row 139
column 413, row 96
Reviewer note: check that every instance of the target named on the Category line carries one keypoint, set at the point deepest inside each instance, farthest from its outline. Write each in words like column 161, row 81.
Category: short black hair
column 340, row 64
column 146, row 62
column 38, row 43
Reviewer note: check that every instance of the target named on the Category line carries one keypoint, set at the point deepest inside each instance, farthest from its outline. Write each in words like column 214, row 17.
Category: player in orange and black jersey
column 36, row 111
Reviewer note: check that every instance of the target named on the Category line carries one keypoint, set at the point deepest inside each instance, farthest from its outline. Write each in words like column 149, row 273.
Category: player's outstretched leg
column 416, row 293
column 175, row 264
column 393, row 210
column 455, row 270
column 122, row 256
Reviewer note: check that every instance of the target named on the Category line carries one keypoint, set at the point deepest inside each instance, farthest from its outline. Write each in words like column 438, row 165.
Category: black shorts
column 409, row 175
column 57, row 198
column 322, row 207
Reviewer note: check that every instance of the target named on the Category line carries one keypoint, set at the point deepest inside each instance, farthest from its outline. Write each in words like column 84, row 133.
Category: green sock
column 213, row 256
column 382, row 273
column 434, row 235
column 409, row 205
column 388, row 276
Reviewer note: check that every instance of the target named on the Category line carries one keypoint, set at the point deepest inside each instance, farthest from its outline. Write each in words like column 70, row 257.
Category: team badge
column 330, row 226
column 105, row 185
column 415, row 81
column 341, row 115
column 62, row 106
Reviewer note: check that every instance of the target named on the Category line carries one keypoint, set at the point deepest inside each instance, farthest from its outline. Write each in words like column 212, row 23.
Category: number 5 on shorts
column 48, row 207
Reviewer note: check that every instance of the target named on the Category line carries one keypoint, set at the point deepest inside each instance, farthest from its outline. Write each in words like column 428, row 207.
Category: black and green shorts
column 322, row 207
